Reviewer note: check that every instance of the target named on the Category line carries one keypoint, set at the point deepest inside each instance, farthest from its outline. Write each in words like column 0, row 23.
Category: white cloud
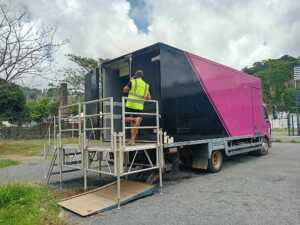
column 236, row 33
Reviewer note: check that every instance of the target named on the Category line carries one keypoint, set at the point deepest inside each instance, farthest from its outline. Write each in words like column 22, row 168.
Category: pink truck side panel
column 235, row 96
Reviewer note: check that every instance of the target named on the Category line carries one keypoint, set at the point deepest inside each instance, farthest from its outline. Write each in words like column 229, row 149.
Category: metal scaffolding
column 114, row 151
column 107, row 152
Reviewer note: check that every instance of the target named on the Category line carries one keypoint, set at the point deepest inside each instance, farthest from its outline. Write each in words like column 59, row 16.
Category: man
column 138, row 91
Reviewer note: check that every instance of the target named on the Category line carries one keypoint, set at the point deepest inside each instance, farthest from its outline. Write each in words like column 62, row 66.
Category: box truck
column 200, row 112
column 206, row 110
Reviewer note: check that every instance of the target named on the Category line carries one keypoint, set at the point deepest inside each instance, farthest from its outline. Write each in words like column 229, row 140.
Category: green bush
column 12, row 102
column 40, row 109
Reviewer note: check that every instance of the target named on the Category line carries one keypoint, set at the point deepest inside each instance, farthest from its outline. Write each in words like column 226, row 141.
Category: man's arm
column 126, row 88
column 148, row 97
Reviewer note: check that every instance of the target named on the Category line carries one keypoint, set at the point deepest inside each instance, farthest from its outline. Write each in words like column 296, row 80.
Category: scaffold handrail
column 141, row 127
column 156, row 114
column 102, row 114
column 97, row 114
column 69, row 106
column 138, row 113
column 97, row 100
column 68, row 130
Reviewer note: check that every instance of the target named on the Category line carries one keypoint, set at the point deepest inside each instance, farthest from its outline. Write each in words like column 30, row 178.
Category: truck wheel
column 215, row 162
column 265, row 147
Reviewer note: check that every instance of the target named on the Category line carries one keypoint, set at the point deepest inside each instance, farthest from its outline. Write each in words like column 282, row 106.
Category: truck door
column 257, row 114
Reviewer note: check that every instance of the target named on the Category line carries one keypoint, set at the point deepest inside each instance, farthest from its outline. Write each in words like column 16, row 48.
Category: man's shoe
column 132, row 143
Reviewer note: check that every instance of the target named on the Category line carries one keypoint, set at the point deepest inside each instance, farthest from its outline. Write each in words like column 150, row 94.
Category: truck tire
column 265, row 147
column 215, row 163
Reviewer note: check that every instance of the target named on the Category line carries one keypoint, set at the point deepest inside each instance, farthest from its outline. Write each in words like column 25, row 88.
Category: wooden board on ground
column 105, row 198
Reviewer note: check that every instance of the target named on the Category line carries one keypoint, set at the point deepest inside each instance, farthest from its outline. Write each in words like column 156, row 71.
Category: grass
column 28, row 147
column 287, row 141
column 7, row 162
column 21, row 147
column 27, row 204
column 279, row 130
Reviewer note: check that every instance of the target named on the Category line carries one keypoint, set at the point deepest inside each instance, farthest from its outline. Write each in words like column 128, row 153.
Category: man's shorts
column 133, row 111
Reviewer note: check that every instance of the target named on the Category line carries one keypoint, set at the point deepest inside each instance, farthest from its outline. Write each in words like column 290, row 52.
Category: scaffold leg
column 160, row 157
column 119, row 190
column 60, row 168
column 118, row 148
column 99, row 157
column 85, row 166
column 160, row 171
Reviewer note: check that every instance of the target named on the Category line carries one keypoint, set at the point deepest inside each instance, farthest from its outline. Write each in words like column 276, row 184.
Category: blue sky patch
column 139, row 13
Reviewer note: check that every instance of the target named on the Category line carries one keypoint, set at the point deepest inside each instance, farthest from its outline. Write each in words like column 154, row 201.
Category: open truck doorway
column 117, row 73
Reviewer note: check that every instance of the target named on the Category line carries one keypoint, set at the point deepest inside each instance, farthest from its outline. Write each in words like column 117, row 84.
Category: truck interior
column 116, row 74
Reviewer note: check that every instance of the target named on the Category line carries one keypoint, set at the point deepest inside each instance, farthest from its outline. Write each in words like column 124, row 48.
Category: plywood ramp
column 105, row 198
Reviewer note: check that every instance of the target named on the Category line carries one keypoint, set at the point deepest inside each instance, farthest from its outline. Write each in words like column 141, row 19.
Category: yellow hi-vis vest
column 138, row 92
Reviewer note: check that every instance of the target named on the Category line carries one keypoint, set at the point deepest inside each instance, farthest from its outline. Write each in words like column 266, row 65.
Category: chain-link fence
column 35, row 132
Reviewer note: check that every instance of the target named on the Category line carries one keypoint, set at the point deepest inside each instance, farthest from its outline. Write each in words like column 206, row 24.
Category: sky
column 236, row 33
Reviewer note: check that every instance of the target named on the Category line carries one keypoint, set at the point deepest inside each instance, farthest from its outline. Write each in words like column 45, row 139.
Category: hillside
column 31, row 93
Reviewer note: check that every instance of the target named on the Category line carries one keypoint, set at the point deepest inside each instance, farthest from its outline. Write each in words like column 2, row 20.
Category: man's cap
column 139, row 73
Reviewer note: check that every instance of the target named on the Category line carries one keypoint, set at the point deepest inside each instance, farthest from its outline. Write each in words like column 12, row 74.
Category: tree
column 75, row 76
column 84, row 63
column 277, row 80
column 41, row 109
column 25, row 48
column 12, row 102
column 31, row 93
column 52, row 91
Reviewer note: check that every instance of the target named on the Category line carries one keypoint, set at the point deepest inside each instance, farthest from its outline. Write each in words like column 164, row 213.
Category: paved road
column 249, row 190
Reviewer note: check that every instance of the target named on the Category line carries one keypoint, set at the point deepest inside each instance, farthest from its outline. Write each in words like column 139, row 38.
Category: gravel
column 249, row 190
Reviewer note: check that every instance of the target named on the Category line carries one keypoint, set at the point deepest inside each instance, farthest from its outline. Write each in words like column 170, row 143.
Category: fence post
column 293, row 129
column 298, row 121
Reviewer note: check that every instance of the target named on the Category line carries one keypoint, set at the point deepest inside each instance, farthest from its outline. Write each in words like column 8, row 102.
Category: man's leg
column 131, row 121
column 132, row 124
column 134, row 131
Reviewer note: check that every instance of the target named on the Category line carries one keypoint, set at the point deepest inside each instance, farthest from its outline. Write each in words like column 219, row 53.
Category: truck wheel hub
column 216, row 159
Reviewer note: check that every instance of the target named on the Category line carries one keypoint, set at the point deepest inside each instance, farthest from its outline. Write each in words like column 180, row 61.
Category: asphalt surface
column 249, row 190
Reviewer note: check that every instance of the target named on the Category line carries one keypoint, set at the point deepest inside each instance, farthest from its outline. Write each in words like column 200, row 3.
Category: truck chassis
column 209, row 153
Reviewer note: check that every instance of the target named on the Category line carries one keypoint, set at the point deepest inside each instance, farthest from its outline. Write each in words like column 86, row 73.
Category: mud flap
column 200, row 159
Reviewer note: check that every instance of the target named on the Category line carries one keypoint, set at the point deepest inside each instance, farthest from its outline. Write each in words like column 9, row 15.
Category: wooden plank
column 105, row 198
column 87, row 204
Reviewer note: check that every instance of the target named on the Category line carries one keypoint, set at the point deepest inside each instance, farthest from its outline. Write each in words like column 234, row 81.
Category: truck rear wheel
column 215, row 162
